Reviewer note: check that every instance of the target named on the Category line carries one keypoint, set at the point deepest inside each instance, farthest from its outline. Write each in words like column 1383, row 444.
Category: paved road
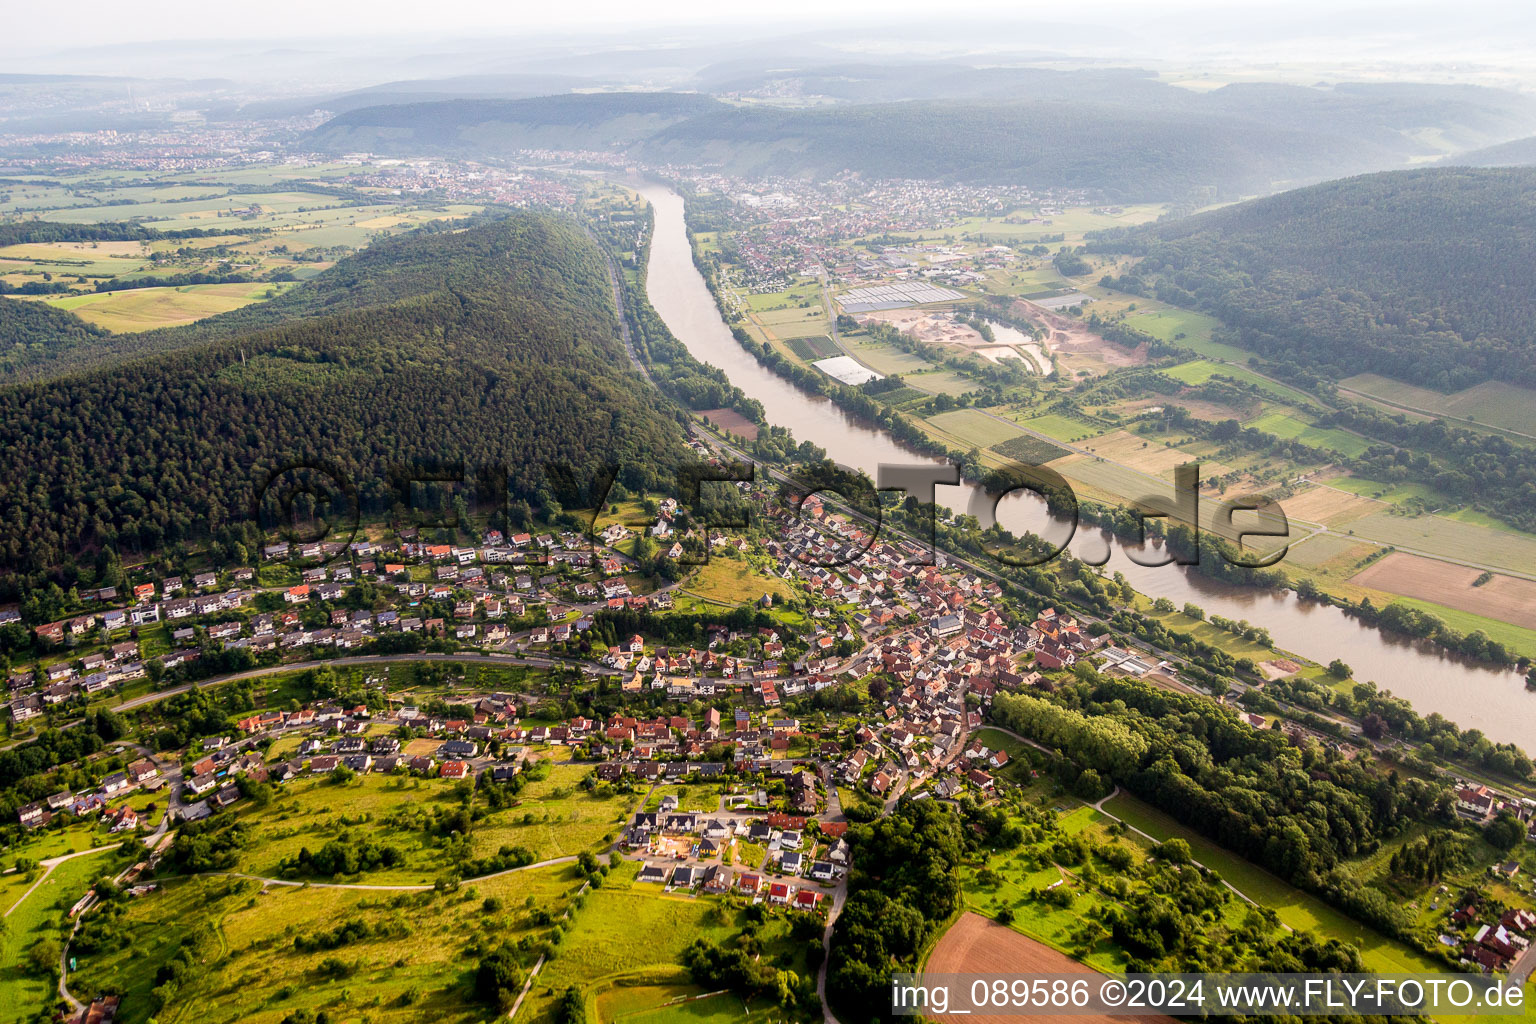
column 839, row 897
column 1521, row 972
column 471, row 657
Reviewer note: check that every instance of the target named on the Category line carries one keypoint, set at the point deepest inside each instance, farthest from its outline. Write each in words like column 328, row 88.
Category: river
column 1472, row 695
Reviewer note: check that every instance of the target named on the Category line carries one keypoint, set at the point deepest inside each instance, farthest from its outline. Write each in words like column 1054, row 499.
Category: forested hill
column 502, row 354
column 1428, row 276
column 1518, row 153
column 1123, row 152
column 567, row 121
column 38, row 342
column 1123, row 133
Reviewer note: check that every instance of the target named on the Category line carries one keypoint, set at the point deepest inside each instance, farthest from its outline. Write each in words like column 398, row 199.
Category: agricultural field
column 1058, row 426
column 812, row 347
column 1463, row 541
column 144, row 309
column 943, row 382
column 975, row 428
column 1508, row 598
column 1028, row 226
column 731, row 421
column 976, row 945
column 1494, row 403
column 887, row 359
column 1031, row 450
column 1326, row 552
column 1329, row 506
column 1139, row 453
column 293, row 233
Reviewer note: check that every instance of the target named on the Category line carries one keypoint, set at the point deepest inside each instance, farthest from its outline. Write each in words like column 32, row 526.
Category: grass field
column 554, row 818
column 888, row 359
column 943, row 382
column 1199, row 371
column 721, row 1008
column 415, row 966
column 34, row 919
column 974, row 427
column 1395, row 494
column 1293, row 906
column 1293, row 429
column 622, row 931
column 1060, row 427
column 733, row 581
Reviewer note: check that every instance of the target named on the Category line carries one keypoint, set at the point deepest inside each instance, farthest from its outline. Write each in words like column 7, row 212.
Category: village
column 746, row 713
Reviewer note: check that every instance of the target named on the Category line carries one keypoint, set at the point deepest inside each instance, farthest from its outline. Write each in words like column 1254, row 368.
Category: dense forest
column 24, row 232
column 1427, row 276
column 28, row 329
column 493, row 347
column 1121, row 133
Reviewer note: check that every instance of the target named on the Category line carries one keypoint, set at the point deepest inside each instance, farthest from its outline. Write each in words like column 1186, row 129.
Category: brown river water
column 1472, row 695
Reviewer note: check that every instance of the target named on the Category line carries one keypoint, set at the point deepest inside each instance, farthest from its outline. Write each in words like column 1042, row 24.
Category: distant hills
column 1427, row 276
column 1516, row 153
column 497, row 127
column 492, row 347
column 1123, row 132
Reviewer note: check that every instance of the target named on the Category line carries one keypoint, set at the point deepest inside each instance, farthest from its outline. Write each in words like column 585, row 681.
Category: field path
column 301, row 883
column 49, row 865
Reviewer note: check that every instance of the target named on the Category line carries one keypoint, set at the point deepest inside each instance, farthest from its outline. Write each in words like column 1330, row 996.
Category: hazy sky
column 108, row 37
